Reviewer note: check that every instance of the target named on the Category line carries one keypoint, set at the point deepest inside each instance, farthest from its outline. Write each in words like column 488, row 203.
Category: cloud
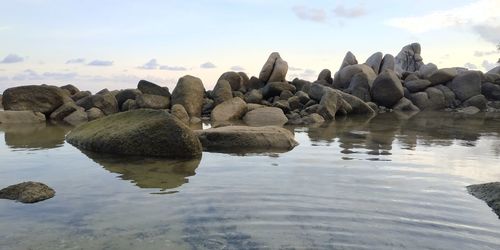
column 75, row 61
column 30, row 75
column 151, row 64
column 60, row 76
column 488, row 32
column 173, row 68
column 237, row 68
column 487, row 65
column 208, row 65
column 346, row 12
column 100, row 63
column 27, row 74
column 307, row 74
column 2, row 28
column 294, row 69
column 12, row 58
column 476, row 16
column 310, row 14
column 485, row 53
column 470, row 65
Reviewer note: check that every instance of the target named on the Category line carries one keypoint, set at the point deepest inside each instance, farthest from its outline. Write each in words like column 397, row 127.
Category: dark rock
column 283, row 105
column 265, row 117
column 359, row 87
column 189, row 93
column 103, row 92
column 150, row 88
column 316, row 91
column 388, row 62
column 126, row 94
column 94, row 114
column 442, row 76
column 301, row 85
column 478, row 101
column 303, row 97
column 70, row 89
column 491, row 91
column 417, row 85
column 107, row 103
column 39, row 98
column 466, row 85
column 349, row 59
column 253, row 96
column 208, row 106
column 129, row 105
column 312, row 109
column 294, row 103
column 27, row 192
column 489, row 193
column 311, row 103
column 232, row 109
column 20, row 117
column 79, row 95
column 387, row 89
column 139, row 132
column 222, row 92
column 234, row 79
column 374, row 61
column 495, row 70
column 411, row 77
column 449, row 96
column 405, row 105
column 274, row 70
column 285, row 95
column 244, row 82
column 275, row 88
column 436, row 100
column 152, row 101
column 64, row 110
column 238, row 94
column 254, row 83
column 326, row 75
column 358, row 106
column 346, row 74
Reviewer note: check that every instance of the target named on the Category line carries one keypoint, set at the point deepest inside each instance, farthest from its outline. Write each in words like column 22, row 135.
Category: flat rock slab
column 488, row 192
column 27, row 192
column 245, row 139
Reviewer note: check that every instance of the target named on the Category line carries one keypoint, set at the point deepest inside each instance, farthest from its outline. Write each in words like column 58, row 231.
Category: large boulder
column 127, row 94
column 495, row 70
column 152, row 101
column 189, row 93
column 330, row 103
column 254, row 96
column 387, row 63
column 94, row 114
column 358, row 106
column 70, row 89
column 360, row 87
column 466, row 85
column 232, row 109
column 150, row 88
column 491, row 91
column 417, row 85
column 105, row 102
column 374, row 61
column 387, row 89
column 346, row 74
column 64, row 110
column 325, row 75
column 442, row 76
column 77, row 117
column 268, row 116
column 80, row 95
column 274, row 70
column 144, row 132
column 180, row 112
column 27, row 192
column 426, row 70
column 275, row 88
column 489, row 193
column 222, row 92
column 38, row 98
column 409, row 59
column 10, row 117
column 478, row 101
column 349, row 59
column 405, row 105
column 234, row 79
column 243, row 139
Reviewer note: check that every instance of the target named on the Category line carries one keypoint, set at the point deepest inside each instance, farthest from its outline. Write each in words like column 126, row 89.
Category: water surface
column 393, row 181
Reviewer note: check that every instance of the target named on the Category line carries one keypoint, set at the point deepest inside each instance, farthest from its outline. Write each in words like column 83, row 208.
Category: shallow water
column 394, row 181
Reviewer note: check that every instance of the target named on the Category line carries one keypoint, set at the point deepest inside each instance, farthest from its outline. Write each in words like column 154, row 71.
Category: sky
column 96, row 44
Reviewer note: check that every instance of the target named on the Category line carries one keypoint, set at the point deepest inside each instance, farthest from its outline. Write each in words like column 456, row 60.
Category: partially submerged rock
column 232, row 109
column 189, row 93
column 267, row 116
column 489, row 193
column 10, row 117
column 138, row 132
column 38, row 98
column 27, row 192
column 244, row 139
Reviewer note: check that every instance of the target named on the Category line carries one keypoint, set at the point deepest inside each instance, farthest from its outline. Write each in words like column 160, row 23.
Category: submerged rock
column 244, row 139
column 11, row 117
column 27, row 192
column 488, row 192
column 138, row 132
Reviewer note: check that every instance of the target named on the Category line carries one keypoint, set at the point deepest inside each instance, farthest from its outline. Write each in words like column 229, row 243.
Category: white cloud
column 30, row 75
column 208, row 65
column 346, row 12
column 100, row 63
column 470, row 65
column 294, row 69
column 486, row 53
column 310, row 14
column 12, row 58
column 151, row 64
column 237, row 68
column 75, row 61
column 173, row 68
column 487, row 65
column 480, row 16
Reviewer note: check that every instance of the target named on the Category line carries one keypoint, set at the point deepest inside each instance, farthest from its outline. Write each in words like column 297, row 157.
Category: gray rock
column 326, row 75
column 127, row 94
column 491, row 91
column 294, row 103
column 266, row 116
column 329, row 104
column 238, row 94
column 129, row 105
column 387, row 89
column 229, row 110
column 495, row 70
column 274, row 70
column 449, row 96
column 189, row 93
column 303, row 97
column 470, row 110
column 150, row 88
column 243, row 139
column 442, row 76
column 105, row 102
column 427, row 70
column 313, row 119
column 412, row 77
column 359, row 87
column 283, row 105
column 417, row 85
column 405, row 105
column 70, row 89
column 39, row 98
column 27, row 192
column 94, row 114
column 408, row 59
column 374, row 61
column 19, row 117
column 180, row 113
column 316, row 91
column 208, row 106
column 349, row 59
column 388, row 63
column 346, row 74
column 144, row 132
column 420, row 99
column 152, row 101
column 64, row 110
column 78, row 117
column 436, row 99
column 254, row 83
column 489, row 193
column 245, row 80
column 234, row 79
column 253, row 96
column 285, row 94
column 275, row 88
column 478, row 101
column 222, row 92
column 301, row 85
column 466, row 85
column 103, row 92
column 358, row 106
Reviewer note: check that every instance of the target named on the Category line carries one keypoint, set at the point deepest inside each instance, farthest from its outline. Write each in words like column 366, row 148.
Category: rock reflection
column 34, row 136
column 377, row 135
column 145, row 172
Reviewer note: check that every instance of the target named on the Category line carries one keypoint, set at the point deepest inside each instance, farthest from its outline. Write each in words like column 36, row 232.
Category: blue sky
column 112, row 44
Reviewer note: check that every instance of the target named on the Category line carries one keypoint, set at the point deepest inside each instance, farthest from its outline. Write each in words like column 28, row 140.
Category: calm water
column 395, row 181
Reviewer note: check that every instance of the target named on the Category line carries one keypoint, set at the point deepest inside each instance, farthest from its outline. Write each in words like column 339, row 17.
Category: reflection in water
column 34, row 136
column 157, row 173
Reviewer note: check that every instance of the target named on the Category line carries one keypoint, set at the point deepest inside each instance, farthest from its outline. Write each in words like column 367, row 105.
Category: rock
column 495, row 70
column 127, row 94
column 255, row 83
column 329, row 104
column 14, row 117
column 405, row 105
column 243, row 139
column 238, row 94
column 244, row 82
column 466, row 85
column 105, row 102
column 1, row 106
column 229, row 110
column 285, row 94
column 491, row 91
column 103, row 92
column 70, row 89
column 411, row 77
column 313, row 119
column 373, row 105
column 443, row 76
column 64, row 110
column 283, row 105
column 420, row 99
column 427, row 70
column 417, row 85
column 294, row 103
column 358, row 106
column 449, row 96
column 275, row 88
column 346, row 74
column 78, row 117
column 180, row 113
column 388, row 62
column 150, row 88
column 79, row 95
column 374, row 61
column 301, row 85
column 253, row 96
column 349, row 59
column 265, row 117
column 143, row 132
column 94, row 114
column 408, row 59
column 39, row 98
column 222, row 92
column 303, row 97
column 189, row 93
column 152, row 101
column 387, row 89
column 27, row 192
column 489, row 193
column 316, row 91
column 129, row 105
column 359, row 87
column 254, row 106
column 478, row 101
column 326, row 75
column 234, row 79
column 436, row 99
column 208, row 106
column 470, row 110
column 274, row 70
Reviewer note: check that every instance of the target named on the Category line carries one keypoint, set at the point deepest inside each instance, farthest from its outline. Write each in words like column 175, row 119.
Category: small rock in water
column 488, row 192
column 27, row 192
